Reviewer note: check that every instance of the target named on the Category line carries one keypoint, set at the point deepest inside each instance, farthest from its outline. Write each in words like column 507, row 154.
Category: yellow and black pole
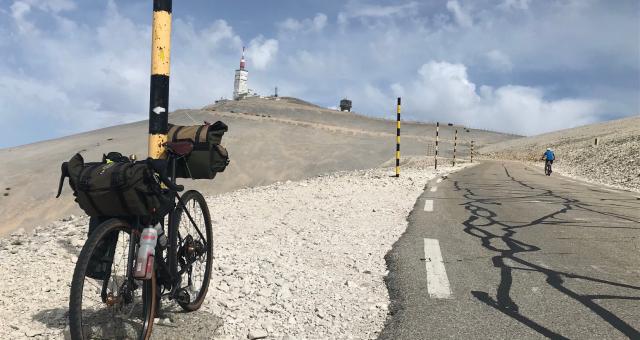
column 160, row 61
column 437, row 133
column 471, row 151
column 455, row 145
column 398, row 141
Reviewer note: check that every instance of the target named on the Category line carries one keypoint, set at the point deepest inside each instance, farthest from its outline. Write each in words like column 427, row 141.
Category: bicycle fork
column 124, row 291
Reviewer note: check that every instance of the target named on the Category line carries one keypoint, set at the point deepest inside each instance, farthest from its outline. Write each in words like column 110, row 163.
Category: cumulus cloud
column 443, row 91
column 315, row 24
column 359, row 9
column 499, row 61
column 515, row 4
column 575, row 69
column 461, row 16
column 262, row 52
column 101, row 76
column 19, row 11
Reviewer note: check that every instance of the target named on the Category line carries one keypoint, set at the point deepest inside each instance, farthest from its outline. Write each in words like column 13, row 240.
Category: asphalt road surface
column 500, row 251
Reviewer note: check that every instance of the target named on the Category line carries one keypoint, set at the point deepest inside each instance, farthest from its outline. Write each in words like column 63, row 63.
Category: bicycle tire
column 148, row 303
column 193, row 198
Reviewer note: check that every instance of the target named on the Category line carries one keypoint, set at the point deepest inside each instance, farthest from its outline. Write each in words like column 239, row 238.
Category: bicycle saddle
column 179, row 148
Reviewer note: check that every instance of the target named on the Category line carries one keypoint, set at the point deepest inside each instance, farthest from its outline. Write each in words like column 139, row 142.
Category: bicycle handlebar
column 160, row 167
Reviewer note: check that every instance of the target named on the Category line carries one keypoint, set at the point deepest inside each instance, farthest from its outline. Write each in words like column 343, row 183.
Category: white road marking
column 437, row 282
column 428, row 205
column 434, row 189
column 439, row 180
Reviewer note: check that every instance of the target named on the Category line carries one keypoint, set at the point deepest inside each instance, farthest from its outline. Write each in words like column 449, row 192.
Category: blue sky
column 519, row 66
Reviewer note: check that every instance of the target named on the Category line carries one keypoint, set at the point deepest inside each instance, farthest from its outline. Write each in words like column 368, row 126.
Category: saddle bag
column 208, row 156
column 116, row 188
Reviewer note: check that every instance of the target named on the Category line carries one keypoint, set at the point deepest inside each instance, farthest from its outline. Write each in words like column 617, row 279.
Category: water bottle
column 162, row 238
column 146, row 253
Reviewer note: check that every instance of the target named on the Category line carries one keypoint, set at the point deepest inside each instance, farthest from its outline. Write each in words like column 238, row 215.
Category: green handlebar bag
column 116, row 189
column 208, row 156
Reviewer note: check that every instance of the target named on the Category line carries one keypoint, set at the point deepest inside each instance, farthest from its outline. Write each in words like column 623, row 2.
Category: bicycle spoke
column 113, row 307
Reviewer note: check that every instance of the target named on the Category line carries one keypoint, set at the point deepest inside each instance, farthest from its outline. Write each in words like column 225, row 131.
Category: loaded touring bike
column 128, row 263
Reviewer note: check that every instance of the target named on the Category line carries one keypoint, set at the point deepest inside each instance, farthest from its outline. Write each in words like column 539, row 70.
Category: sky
column 517, row 66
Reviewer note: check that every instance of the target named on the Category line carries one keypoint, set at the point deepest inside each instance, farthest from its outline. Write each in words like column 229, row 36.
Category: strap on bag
column 198, row 132
column 64, row 173
column 118, row 179
column 175, row 133
column 84, row 186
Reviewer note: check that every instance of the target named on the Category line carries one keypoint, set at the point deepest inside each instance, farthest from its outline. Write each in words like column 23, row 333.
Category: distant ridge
column 268, row 141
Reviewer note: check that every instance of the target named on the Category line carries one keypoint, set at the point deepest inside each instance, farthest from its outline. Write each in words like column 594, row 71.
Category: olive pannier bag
column 208, row 156
column 116, row 188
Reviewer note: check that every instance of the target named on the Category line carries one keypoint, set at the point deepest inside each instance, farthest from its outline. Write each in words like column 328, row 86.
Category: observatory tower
column 240, row 88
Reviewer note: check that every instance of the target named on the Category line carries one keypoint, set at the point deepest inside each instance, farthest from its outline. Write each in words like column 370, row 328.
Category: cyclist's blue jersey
column 549, row 156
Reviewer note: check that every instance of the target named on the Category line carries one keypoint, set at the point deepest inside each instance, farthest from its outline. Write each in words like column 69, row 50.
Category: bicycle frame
column 170, row 267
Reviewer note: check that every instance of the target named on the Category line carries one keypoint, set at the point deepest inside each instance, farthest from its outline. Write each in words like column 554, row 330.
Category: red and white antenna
column 242, row 62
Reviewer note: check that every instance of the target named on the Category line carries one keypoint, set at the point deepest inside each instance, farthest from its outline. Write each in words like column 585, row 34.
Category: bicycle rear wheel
column 110, row 304
column 192, row 244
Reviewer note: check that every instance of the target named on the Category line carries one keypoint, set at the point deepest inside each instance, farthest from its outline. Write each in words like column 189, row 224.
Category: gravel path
column 294, row 260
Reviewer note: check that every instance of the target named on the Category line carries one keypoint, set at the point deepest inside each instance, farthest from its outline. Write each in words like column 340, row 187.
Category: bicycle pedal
column 182, row 296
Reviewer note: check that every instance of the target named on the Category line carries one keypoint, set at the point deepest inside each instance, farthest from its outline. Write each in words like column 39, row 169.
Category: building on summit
column 240, row 87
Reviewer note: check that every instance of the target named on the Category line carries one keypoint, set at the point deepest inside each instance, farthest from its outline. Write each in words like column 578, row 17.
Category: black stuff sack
column 208, row 157
column 116, row 188
column 101, row 260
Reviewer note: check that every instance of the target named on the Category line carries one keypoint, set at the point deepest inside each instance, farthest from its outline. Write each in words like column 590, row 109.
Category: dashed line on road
column 433, row 189
column 437, row 281
column 428, row 205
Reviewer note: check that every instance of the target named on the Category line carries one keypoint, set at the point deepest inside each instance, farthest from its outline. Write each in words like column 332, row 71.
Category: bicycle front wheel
column 106, row 302
column 192, row 242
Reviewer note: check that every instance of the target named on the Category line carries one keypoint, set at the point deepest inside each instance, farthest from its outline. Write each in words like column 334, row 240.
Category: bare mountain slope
column 268, row 141
column 614, row 161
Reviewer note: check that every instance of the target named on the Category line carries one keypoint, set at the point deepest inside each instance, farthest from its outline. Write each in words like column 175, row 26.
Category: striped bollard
column 398, row 141
column 159, row 87
column 471, row 151
column 455, row 144
column 437, row 133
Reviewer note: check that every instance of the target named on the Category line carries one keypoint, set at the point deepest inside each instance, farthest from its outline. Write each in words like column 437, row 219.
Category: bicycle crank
column 112, row 300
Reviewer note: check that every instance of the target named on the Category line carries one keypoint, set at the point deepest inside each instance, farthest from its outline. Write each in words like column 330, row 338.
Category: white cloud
column 515, row 4
column 262, row 52
column 319, row 22
column 19, row 10
column 315, row 24
column 499, row 61
column 54, row 6
column 359, row 9
column 461, row 16
column 443, row 91
column 101, row 75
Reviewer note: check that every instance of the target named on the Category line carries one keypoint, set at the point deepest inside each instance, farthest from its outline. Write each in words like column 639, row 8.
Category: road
column 500, row 251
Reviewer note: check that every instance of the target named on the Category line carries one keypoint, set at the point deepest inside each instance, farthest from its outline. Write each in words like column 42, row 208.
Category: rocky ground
column 293, row 260
column 614, row 161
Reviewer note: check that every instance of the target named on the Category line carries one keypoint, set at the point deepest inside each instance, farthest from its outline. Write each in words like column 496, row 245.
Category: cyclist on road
column 548, row 158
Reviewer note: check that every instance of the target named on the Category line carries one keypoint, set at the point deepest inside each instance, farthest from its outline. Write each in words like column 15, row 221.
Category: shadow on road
column 480, row 221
